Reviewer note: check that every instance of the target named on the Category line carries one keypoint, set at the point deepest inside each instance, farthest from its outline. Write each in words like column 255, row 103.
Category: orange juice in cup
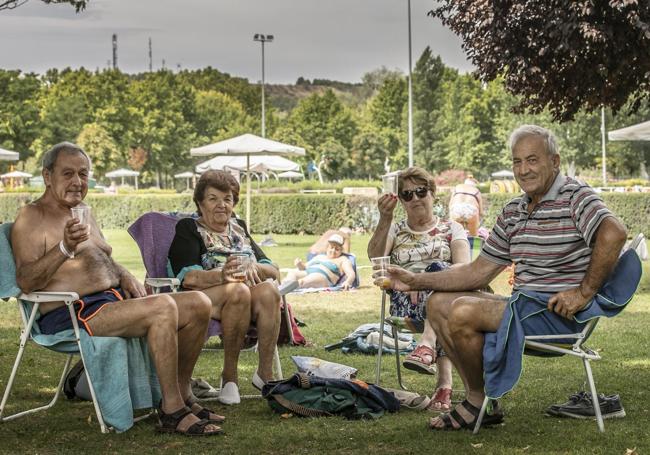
column 380, row 266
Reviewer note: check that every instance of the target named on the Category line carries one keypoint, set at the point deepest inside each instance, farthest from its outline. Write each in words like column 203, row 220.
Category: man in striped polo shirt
column 564, row 243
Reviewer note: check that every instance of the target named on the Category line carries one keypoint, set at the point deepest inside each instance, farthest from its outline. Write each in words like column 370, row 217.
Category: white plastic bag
column 314, row 366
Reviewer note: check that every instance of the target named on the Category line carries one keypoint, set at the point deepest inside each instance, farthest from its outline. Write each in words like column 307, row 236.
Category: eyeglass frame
column 407, row 195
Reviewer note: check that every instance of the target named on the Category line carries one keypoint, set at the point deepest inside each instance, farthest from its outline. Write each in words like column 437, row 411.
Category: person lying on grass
column 325, row 270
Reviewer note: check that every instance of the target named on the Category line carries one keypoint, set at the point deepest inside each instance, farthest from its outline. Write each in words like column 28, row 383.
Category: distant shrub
column 308, row 213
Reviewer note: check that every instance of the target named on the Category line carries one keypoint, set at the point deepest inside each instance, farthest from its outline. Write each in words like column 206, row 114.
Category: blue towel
column 123, row 375
column 526, row 314
column 8, row 287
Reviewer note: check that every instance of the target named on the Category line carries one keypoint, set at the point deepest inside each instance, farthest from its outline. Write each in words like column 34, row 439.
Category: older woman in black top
column 203, row 256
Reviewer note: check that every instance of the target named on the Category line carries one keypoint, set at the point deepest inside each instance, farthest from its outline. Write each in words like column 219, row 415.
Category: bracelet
column 65, row 251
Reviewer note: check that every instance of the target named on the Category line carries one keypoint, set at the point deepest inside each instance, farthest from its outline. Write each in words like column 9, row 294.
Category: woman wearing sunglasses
column 421, row 242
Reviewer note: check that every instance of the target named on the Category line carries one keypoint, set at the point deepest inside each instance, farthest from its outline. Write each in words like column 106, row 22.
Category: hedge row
column 311, row 214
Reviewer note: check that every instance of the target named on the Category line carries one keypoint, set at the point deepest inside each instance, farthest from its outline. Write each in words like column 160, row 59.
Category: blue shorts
column 85, row 309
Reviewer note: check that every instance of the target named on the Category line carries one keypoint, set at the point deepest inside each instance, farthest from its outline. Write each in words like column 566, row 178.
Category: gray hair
column 534, row 130
column 50, row 157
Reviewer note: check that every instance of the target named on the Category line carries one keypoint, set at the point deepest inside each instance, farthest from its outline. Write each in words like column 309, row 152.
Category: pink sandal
column 422, row 360
column 441, row 401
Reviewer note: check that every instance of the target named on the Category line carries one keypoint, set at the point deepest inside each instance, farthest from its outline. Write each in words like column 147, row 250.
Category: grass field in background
column 251, row 427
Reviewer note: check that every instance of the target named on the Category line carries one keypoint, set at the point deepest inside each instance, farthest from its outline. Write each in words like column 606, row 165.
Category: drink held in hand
column 380, row 269
column 243, row 262
column 389, row 183
column 81, row 213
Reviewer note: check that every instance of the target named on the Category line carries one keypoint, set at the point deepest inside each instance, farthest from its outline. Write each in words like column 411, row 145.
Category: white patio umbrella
column 503, row 174
column 256, row 163
column 638, row 132
column 185, row 175
column 8, row 155
column 122, row 173
column 248, row 145
column 290, row 175
column 16, row 175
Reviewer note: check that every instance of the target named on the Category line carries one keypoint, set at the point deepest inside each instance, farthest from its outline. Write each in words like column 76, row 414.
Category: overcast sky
column 330, row 39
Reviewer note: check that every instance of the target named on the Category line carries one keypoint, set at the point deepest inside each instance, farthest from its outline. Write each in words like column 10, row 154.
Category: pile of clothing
column 365, row 339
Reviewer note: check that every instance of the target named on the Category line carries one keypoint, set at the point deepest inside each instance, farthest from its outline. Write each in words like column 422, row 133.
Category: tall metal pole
column 602, row 132
column 410, row 92
column 263, row 104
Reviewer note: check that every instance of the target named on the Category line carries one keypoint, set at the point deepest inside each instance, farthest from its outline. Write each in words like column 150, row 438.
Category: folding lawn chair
column 407, row 325
column 67, row 342
column 556, row 345
column 154, row 232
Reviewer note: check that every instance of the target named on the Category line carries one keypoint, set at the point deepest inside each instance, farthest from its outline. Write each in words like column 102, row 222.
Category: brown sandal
column 204, row 413
column 170, row 423
column 422, row 360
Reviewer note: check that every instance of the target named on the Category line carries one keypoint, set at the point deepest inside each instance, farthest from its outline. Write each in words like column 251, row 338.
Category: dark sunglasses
column 407, row 195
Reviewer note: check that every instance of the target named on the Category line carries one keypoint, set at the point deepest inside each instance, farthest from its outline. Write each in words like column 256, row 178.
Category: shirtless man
column 55, row 252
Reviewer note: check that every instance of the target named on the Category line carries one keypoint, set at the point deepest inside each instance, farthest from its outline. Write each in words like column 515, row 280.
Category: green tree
column 219, row 116
column 100, row 147
column 19, row 111
column 558, row 54
column 428, row 97
column 324, row 127
column 160, row 105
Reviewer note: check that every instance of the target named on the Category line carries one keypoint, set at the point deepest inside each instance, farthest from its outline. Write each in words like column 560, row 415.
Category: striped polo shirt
column 551, row 246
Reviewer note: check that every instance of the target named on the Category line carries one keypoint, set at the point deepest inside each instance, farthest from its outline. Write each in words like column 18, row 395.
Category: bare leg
column 314, row 280
column 194, row 309
column 157, row 318
column 460, row 321
column 295, row 275
column 472, row 225
column 231, row 305
column 266, row 315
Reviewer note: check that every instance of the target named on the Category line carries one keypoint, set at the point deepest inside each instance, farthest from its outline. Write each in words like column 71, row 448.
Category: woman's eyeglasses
column 420, row 192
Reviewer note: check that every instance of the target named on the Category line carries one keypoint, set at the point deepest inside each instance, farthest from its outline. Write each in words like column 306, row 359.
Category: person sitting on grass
column 56, row 252
column 324, row 270
column 564, row 243
column 422, row 241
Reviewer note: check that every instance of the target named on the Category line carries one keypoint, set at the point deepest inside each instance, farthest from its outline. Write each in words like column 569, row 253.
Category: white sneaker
column 258, row 382
column 229, row 393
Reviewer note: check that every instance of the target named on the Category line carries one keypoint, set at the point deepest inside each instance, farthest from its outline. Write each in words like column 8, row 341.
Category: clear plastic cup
column 389, row 182
column 380, row 269
column 243, row 262
column 81, row 213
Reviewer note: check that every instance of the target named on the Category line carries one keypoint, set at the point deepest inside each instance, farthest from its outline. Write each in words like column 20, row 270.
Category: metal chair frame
column 543, row 343
column 26, row 335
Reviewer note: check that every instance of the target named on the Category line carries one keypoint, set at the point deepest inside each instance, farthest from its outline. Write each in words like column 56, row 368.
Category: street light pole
column 263, row 39
column 410, row 92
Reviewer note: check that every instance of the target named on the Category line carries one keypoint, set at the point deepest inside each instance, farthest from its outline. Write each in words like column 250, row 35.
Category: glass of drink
column 380, row 269
column 389, row 182
column 81, row 213
column 243, row 262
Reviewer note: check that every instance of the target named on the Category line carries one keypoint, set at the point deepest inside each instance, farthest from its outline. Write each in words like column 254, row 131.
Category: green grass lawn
column 70, row 427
